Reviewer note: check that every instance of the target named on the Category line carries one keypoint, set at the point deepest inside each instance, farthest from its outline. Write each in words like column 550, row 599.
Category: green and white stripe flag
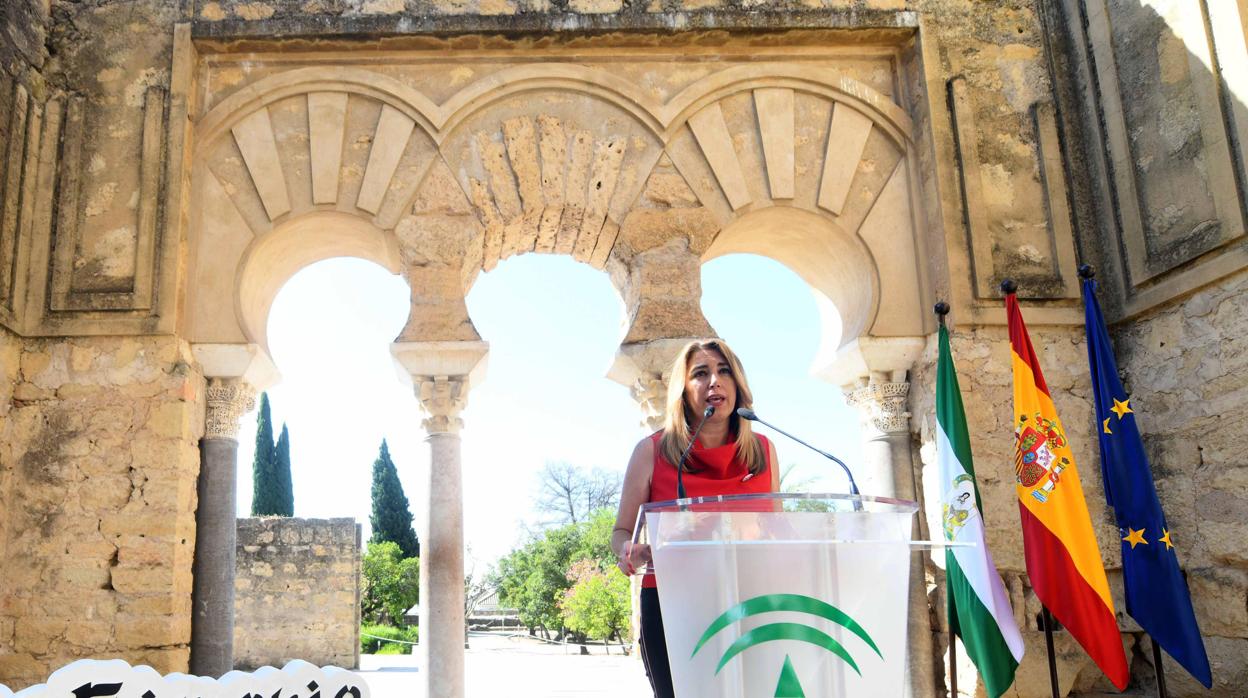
column 979, row 610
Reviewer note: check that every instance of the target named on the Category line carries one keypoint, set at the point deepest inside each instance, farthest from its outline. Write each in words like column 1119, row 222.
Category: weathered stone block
column 34, row 635
column 142, row 579
column 151, row 631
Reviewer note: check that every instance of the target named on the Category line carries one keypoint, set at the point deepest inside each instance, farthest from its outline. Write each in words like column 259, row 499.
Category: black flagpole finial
column 1008, row 286
column 1086, row 271
column 942, row 309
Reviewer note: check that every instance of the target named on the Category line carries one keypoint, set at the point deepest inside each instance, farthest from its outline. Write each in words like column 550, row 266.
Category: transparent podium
column 783, row 594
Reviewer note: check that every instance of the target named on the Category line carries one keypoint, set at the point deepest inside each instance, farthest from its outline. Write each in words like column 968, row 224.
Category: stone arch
column 271, row 260
column 836, row 264
column 314, row 139
column 829, row 83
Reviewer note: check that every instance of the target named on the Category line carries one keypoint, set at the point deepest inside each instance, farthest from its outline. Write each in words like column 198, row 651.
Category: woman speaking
column 727, row 457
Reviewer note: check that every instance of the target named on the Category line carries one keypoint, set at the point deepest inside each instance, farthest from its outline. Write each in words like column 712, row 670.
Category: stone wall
column 98, row 483
column 297, row 592
column 1186, row 369
column 1183, row 367
column 1013, row 116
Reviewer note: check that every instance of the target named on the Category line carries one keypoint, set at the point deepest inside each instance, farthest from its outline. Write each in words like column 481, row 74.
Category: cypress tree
column 264, row 492
column 281, row 465
column 391, row 518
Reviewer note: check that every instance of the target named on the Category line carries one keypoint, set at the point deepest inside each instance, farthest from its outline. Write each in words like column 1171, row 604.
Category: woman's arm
column 633, row 494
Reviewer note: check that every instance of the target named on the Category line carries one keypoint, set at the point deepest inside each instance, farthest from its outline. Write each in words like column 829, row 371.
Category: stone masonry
column 166, row 167
column 297, row 592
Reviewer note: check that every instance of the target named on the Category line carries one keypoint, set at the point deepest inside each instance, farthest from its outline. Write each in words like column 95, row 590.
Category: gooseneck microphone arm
column 680, row 467
column 747, row 413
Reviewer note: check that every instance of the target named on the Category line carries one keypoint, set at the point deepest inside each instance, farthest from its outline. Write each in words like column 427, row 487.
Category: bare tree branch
column 569, row 494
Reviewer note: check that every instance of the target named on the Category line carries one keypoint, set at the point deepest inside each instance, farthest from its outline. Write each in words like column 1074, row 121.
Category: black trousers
column 654, row 645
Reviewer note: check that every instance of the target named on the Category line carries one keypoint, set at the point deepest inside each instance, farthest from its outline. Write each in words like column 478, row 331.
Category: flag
column 1063, row 560
column 979, row 610
column 1157, row 595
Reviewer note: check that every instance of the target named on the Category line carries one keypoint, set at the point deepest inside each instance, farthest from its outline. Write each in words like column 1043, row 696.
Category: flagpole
column 953, row 664
column 942, row 309
column 1048, row 641
column 1161, row 672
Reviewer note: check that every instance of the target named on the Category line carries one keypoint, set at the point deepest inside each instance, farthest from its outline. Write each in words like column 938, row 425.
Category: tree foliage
column 391, row 583
column 391, row 518
column 534, row 579
column 568, row 494
column 281, row 471
column 597, row 605
column 265, row 497
column 272, row 491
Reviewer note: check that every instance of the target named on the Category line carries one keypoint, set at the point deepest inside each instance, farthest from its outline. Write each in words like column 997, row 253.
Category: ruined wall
column 1184, row 367
column 1016, row 113
column 23, row 28
column 98, row 478
column 297, row 592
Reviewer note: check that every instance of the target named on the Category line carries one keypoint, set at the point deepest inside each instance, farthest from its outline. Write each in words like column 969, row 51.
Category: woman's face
column 709, row 381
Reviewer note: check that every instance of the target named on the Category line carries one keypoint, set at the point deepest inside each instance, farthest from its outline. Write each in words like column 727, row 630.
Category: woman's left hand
column 633, row 558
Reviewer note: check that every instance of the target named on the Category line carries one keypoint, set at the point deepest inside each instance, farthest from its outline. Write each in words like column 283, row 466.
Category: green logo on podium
column 788, row 685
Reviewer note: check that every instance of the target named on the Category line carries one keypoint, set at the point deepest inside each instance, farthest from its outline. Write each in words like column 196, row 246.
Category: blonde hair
column 677, row 428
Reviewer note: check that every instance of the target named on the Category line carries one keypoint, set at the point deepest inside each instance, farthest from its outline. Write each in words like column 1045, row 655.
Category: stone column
column 643, row 368
column 887, row 469
column 212, row 595
column 442, row 373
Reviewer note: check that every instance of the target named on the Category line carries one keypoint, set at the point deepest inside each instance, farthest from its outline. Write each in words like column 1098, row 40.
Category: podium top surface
column 785, row 502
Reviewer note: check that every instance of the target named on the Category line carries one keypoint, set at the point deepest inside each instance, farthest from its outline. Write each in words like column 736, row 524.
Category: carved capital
column 643, row 368
column 228, row 400
column 650, row 392
column 442, row 398
column 882, row 405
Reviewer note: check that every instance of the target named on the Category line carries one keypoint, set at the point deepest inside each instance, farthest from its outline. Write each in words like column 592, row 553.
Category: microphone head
column 746, row 413
column 710, row 410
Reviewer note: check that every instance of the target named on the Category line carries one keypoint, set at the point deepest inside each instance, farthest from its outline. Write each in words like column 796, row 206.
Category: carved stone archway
column 631, row 169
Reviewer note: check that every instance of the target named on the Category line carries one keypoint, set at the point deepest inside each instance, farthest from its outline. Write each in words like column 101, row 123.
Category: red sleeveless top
column 719, row 471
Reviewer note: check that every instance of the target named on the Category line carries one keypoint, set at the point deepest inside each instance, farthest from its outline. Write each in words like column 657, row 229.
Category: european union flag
column 1157, row 595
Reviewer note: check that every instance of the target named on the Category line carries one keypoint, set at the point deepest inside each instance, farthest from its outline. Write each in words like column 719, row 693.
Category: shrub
column 373, row 645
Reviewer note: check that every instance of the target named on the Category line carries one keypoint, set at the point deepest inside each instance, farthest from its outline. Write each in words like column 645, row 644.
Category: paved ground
column 517, row 668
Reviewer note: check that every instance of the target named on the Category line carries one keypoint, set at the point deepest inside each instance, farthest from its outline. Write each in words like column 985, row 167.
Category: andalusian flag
column 1063, row 560
column 979, row 610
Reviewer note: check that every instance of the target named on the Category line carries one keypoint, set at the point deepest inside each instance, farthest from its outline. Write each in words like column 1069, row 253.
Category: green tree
column 391, row 519
column 533, row 579
column 391, row 583
column 265, row 487
column 281, row 468
column 597, row 605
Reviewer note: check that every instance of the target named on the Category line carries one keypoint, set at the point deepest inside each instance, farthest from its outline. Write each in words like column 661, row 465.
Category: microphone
column 680, row 467
column 747, row 413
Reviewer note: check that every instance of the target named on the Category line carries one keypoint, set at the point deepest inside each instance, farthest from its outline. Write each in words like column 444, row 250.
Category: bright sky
column 553, row 326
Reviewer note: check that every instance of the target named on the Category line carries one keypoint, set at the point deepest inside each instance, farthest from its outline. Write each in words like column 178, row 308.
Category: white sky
column 553, row 326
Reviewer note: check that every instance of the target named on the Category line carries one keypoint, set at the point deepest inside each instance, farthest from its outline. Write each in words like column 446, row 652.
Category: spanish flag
column 1063, row 560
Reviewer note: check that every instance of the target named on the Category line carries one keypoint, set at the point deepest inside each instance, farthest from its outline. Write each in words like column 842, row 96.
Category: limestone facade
column 166, row 167
column 297, row 592
column 99, row 474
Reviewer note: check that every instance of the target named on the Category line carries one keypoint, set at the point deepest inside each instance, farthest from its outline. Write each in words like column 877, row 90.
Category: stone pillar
column 643, row 368
column 212, row 595
column 887, row 469
column 442, row 373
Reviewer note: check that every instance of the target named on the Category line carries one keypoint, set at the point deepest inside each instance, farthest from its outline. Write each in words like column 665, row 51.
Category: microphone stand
column 747, row 413
column 680, row 467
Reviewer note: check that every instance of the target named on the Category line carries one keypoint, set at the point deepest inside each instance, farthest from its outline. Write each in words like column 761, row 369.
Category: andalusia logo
column 788, row 685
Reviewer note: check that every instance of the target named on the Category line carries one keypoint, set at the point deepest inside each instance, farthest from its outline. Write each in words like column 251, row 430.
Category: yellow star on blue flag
column 1156, row 592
